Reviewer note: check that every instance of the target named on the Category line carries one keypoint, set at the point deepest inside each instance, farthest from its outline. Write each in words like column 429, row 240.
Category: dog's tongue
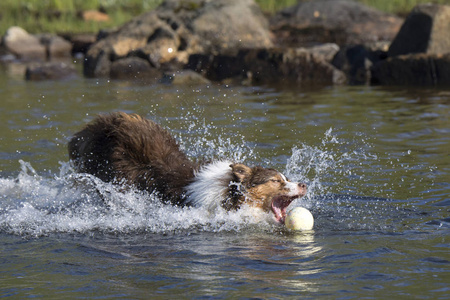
column 279, row 206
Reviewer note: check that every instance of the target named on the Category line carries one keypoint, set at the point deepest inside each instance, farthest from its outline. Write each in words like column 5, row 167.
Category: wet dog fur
column 128, row 149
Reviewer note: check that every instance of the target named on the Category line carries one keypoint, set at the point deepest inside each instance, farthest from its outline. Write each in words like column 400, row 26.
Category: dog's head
column 267, row 189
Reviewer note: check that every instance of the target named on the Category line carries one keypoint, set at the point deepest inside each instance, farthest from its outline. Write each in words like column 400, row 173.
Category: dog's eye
column 276, row 180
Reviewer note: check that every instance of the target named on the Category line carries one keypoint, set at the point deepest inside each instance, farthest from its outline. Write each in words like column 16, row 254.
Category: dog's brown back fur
column 126, row 147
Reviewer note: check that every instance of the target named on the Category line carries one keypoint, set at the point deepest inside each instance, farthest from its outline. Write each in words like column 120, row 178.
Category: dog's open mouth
column 279, row 207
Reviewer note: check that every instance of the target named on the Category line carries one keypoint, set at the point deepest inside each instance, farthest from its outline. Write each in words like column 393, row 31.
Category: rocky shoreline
column 320, row 42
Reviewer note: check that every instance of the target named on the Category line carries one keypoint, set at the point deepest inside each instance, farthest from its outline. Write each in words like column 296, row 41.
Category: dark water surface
column 376, row 161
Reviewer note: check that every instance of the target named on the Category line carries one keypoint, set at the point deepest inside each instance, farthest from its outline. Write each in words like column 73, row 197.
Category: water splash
column 206, row 140
column 329, row 167
column 71, row 202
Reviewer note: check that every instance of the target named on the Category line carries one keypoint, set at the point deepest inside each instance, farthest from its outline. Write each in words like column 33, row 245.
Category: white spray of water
column 323, row 167
column 70, row 202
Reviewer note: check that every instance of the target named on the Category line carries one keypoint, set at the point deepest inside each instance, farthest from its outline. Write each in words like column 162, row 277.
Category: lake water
column 376, row 161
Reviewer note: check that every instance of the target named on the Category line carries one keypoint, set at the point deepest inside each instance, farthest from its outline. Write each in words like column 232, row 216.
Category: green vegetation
column 271, row 6
column 62, row 16
column 399, row 7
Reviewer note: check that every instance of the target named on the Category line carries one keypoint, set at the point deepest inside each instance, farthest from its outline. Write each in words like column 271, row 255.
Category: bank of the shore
column 315, row 42
column 81, row 16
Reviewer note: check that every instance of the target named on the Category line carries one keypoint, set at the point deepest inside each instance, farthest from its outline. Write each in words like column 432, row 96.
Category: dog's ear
column 241, row 171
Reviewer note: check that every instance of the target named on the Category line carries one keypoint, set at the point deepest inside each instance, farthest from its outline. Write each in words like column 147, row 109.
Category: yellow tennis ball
column 299, row 218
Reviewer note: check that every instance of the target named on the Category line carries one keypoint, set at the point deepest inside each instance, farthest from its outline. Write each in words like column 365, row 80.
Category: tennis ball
column 299, row 218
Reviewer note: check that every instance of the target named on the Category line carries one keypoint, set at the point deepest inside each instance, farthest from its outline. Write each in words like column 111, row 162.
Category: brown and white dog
column 124, row 148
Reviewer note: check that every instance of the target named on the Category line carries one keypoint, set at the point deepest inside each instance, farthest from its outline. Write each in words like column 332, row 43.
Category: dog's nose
column 302, row 185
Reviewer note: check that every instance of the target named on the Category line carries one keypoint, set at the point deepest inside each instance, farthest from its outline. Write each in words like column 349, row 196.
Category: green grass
column 399, row 7
column 61, row 16
column 271, row 6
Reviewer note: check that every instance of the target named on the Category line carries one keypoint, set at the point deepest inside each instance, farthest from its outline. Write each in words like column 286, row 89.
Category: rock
column 218, row 67
column 82, row 42
column 420, row 53
column 327, row 51
column 185, row 77
column 356, row 62
column 268, row 66
column 295, row 66
column 231, row 24
column 425, row 30
column 160, row 48
column 343, row 22
column 36, row 47
column 56, row 46
column 50, row 71
column 23, row 45
column 134, row 68
column 178, row 28
column 131, row 37
column 413, row 70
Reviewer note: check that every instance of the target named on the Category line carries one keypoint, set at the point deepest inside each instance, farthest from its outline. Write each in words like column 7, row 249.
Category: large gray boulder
column 23, row 45
column 56, row 46
column 178, row 28
column 343, row 22
column 41, row 47
column 425, row 30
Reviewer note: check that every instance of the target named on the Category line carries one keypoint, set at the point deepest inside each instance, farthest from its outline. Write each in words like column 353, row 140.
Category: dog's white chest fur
column 210, row 186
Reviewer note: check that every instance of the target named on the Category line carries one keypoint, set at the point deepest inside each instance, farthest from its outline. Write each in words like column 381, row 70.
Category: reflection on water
column 376, row 162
